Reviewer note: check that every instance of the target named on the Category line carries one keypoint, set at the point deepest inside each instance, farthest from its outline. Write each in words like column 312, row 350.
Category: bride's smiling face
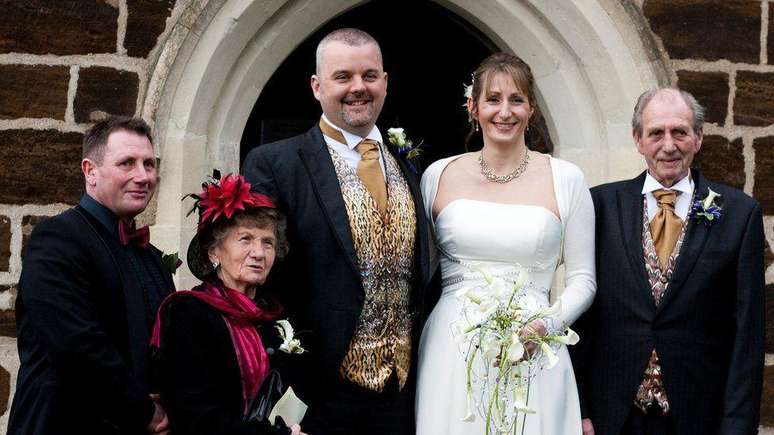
column 503, row 111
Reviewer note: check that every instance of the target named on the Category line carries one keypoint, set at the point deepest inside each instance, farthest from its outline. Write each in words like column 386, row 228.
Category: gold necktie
column 370, row 173
column 666, row 225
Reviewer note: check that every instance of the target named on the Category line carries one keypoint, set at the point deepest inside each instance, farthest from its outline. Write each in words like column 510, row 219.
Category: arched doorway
column 588, row 58
column 429, row 52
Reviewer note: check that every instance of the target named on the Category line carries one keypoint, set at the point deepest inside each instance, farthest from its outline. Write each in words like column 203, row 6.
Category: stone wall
column 65, row 63
column 723, row 53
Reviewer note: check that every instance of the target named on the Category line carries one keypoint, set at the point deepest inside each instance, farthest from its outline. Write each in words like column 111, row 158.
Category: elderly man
column 88, row 293
column 674, row 339
column 358, row 261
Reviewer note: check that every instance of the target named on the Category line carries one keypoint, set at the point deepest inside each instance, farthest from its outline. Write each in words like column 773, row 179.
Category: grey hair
column 696, row 109
column 348, row 36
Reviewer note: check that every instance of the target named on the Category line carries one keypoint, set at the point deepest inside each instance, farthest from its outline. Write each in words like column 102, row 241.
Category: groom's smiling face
column 351, row 85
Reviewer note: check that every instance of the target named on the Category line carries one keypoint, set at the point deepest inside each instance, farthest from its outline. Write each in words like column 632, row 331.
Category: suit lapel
column 138, row 332
column 630, row 206
column 318, row 163
column 693, row 244
column 421, row 257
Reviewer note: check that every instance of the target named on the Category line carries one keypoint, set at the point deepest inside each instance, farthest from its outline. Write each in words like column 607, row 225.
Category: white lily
column 709, row 199
column 289, row 343
column 520, row 400
column 550, row 355
column 469, row 416
column 570, row 338
column 516, row 349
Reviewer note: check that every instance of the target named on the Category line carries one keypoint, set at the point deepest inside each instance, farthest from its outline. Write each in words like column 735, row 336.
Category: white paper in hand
column 289, row 407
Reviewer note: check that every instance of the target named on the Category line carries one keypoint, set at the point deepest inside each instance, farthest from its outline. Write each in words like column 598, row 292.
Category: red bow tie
column 127, row 233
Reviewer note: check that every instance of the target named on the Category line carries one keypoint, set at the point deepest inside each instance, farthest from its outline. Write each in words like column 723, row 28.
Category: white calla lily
column 710, row 198
column 570, row 338
column 289, row 343
column 550, row 355
column 516, row 348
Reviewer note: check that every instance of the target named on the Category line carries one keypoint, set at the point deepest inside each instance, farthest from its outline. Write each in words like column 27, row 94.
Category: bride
column 496, row 208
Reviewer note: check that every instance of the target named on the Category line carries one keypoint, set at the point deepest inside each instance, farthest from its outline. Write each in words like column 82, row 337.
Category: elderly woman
column 211, row 357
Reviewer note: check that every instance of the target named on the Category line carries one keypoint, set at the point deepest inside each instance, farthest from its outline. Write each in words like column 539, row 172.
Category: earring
column 475, row 126
column 215, row 265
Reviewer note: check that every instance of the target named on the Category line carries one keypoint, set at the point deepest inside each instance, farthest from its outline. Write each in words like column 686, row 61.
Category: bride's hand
column 536, row 328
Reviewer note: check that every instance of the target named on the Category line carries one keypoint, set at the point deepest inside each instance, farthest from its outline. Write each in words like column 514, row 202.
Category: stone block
column 33, row 91
column 5, row 390
column 8, row 317
column 721, row 160
column 5, row 243
column 707, row 29
column 764, row 173
column 711, row 89
column 145, row 22
column 28, row 224
column 58, row 26
column 40, row 167
column 754, row 101
column 107, row 90
column 768, row 256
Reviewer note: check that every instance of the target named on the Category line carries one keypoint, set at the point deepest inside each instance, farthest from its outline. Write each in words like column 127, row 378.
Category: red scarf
column 240, row 314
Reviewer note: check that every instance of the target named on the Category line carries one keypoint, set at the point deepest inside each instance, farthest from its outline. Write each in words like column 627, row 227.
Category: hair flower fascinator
column 224, row 196
column 219, row 200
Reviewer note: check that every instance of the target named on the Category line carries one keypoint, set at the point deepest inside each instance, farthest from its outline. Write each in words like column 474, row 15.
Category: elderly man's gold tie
column 370, row 173
column 666, row 226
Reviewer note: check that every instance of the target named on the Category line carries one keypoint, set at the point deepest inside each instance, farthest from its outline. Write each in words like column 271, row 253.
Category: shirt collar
column 685, row 185
column 353, row 139
column 104, row 215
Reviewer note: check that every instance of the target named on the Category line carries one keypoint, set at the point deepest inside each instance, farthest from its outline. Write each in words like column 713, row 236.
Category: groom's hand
column 588, row 428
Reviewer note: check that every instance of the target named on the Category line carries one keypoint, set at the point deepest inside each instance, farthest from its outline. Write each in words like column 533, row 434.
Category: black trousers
column 654, row 422
column 350, row 409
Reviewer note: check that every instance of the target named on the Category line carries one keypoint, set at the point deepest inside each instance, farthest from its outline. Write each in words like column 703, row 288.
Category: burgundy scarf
column 240, row 314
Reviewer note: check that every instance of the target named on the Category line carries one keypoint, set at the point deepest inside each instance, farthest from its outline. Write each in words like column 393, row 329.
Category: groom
column 673, row 343
column 358, row 238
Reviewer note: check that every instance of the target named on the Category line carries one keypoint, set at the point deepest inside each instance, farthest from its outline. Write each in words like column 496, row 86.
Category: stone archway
column 588, row 58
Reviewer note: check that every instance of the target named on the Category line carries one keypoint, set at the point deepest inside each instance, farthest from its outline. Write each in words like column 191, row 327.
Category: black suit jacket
column 320, row 281
column 82, row 333
column 708, row 329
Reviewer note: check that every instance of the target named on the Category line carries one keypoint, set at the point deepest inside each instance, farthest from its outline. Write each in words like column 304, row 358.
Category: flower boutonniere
column 708, row 210
column 171, row 262
column 405, row 146
column 290, row 344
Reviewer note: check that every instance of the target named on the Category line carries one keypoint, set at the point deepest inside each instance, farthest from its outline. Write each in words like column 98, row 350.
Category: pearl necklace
column 487, row 172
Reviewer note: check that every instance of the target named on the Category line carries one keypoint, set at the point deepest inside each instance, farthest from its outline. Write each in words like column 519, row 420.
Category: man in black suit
column 88, row 294
column 358, row 265
column 673, row 343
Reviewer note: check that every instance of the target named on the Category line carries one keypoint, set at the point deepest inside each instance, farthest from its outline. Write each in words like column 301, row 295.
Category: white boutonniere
column 290, row 344
column 708, row 210
column 405, row 146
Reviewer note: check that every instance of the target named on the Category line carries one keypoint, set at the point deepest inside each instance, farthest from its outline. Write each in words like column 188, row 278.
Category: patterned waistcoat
column 651, row 390
column 385, row 251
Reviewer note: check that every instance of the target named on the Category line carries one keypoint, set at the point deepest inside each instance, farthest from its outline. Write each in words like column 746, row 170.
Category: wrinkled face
column 125, row 180
column 668, row 141
column 351, row 86
column 246, row 256
column 503, row 111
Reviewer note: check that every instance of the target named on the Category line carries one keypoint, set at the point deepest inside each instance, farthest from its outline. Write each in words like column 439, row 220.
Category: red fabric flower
column 225, row 196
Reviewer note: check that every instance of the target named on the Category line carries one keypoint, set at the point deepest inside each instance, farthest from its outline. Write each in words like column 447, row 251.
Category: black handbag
column 260, row 406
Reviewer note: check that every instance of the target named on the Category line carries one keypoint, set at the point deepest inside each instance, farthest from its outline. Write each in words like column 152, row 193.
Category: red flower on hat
column 225, row 196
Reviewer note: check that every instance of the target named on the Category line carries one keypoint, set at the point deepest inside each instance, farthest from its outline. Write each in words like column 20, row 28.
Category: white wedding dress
column 498, row 236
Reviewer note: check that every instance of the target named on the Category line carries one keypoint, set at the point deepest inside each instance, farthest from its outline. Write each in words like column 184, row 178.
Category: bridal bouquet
column 495, row 330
